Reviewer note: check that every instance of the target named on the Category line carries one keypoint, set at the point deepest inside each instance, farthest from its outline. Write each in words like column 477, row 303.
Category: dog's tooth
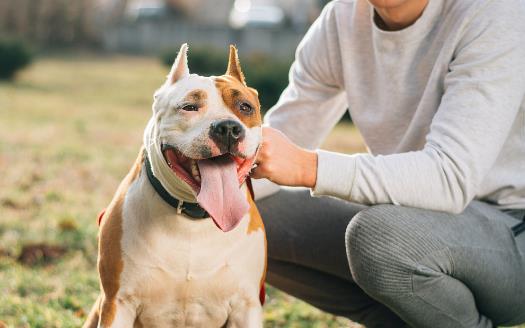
column 195, row 171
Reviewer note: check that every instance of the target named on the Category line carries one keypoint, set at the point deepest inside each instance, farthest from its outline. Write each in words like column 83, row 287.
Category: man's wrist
column 309, row 169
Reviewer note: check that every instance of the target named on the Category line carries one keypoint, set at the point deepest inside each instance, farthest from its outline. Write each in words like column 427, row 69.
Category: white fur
column 180, row 272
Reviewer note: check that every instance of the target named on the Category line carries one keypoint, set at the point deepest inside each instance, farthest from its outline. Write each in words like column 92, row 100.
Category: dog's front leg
column 117, row 314
column 252, row 317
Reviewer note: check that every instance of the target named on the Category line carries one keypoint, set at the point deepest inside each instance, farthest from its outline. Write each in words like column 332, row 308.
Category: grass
column 69, row 130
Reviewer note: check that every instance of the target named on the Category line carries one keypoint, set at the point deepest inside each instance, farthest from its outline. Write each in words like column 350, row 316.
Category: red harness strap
column 100, row 216
column 262, row 294
column 250, row 187
column 262, row 291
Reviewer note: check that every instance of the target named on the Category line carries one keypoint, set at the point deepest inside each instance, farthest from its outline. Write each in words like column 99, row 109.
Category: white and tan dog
column 182, row 243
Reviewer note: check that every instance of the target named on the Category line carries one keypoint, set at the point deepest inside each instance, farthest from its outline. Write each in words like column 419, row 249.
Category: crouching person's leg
column 440, row 270
column 307, row 256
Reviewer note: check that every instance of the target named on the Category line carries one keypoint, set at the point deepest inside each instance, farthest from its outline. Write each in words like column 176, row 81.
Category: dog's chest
column 202, row 301
column 183, row 273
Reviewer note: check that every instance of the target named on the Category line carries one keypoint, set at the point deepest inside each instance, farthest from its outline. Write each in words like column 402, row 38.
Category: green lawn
column 69, row 130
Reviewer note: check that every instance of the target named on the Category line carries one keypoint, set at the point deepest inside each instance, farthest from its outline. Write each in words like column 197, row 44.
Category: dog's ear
column 180, row 68
column 234, row 66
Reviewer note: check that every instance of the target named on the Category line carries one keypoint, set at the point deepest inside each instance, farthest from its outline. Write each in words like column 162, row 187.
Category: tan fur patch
column 197, row 97
column 234, row 65
column 255, row 224
column 110, row 263
column 234, row 93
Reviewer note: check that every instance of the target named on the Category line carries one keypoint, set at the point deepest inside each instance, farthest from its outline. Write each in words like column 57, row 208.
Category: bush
column 268, row 75
column 14, row 55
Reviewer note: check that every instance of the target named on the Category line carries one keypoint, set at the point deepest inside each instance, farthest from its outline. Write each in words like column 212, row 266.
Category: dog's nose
column 227, row 132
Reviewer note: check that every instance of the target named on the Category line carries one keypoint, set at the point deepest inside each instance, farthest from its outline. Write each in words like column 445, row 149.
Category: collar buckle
column 179, row 207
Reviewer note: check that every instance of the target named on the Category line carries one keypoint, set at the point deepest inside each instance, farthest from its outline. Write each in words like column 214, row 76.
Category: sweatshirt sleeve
column 483, row 91
column 314, row 100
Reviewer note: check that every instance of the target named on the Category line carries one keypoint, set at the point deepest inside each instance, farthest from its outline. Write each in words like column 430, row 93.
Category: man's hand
column 283, row 162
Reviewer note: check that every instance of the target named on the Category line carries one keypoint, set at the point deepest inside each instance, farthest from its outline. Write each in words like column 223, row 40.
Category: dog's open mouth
column 216, row 182
column 188, row 170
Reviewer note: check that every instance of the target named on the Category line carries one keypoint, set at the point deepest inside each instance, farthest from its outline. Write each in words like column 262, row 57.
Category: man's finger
column 256, row 173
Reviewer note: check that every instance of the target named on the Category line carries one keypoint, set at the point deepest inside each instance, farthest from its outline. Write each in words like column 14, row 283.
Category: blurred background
column 265, row 31
column 76, row 84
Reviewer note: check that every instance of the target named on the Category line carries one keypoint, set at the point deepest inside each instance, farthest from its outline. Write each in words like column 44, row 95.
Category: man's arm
column 484, row 90
column 307, row 110
column 314, row 100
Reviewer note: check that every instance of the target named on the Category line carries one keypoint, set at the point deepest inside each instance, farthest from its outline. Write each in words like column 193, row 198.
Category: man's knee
column 381, row 252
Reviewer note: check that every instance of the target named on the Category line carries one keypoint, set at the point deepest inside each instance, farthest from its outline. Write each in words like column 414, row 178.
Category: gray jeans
column 386, row 265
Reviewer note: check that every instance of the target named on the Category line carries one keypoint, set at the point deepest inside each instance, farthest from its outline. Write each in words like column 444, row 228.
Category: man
column 437, row 89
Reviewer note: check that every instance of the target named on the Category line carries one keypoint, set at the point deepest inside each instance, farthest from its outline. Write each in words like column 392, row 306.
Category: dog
column 182, row 243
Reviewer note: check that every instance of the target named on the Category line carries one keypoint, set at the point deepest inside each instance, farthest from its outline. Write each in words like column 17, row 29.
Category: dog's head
column 209, row 130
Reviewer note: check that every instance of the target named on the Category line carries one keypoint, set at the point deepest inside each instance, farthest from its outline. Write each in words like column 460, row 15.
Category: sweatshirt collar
column 413, row 33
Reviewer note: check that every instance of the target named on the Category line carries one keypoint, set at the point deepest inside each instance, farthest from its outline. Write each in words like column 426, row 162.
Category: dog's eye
column 190, row 108
column 245, row 107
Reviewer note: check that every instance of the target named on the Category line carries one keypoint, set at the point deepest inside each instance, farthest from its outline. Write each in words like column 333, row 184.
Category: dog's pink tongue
column 220, row 194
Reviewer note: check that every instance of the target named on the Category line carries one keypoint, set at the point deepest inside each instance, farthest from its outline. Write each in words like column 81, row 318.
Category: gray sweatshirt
column 440, row 104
